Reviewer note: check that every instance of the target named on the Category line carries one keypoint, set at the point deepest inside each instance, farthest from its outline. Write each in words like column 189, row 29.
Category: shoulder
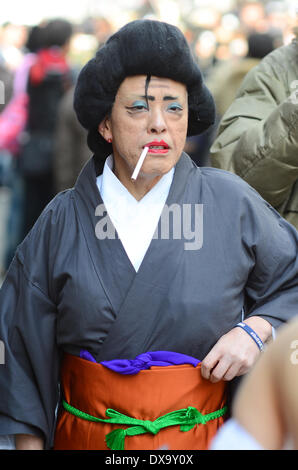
column 54, row 219
column 232, row 195
column 58, row 210
column 220, row 180
column 51, row 234
column 279, row 65
column 281, row 55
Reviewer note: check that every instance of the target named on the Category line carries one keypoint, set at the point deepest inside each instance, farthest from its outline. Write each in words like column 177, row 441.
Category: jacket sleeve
column 29, row 373
column 258, row 135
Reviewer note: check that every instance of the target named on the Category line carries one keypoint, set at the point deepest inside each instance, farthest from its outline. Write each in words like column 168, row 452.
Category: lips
column 157, row 147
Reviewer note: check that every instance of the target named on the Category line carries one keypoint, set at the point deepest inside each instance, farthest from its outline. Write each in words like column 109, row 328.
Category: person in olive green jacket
column 258, row 134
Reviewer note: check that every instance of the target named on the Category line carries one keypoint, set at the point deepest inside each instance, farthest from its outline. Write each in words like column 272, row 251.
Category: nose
column 157, row 123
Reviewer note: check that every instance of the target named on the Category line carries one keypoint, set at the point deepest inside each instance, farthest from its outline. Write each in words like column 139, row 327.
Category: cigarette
column 139, row 164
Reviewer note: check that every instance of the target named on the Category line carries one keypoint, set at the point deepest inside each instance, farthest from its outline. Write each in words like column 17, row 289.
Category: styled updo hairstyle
column 141, row 47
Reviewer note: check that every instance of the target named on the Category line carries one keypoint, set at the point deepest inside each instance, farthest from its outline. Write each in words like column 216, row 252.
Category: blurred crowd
column 43, row 147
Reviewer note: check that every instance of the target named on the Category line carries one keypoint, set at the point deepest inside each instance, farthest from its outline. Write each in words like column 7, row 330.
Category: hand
column 235, row 352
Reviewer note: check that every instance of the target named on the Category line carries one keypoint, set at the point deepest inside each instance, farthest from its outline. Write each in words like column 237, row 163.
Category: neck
column 140, row 187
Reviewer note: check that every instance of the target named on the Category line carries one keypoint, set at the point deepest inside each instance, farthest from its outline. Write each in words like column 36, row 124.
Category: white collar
column 135, row 221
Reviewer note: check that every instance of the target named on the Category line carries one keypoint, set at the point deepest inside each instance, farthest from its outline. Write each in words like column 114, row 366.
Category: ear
column 104, row 129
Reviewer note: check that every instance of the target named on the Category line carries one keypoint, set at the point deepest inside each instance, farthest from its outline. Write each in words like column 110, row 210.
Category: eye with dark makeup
column 137, row 106
column 175, row 107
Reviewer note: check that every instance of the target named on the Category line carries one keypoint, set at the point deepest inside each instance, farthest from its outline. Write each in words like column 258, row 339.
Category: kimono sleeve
column 272, row 285
column 29, row 369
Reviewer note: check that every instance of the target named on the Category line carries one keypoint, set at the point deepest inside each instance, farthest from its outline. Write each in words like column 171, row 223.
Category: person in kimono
column 143, row 293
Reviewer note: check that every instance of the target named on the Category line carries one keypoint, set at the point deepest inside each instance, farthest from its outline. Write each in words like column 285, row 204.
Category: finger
column 232, row 372
column 208, row 364
column 220, row 370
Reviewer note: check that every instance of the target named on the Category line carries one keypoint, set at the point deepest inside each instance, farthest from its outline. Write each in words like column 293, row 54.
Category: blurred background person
column 12, row 40
column 71, row 151
column 6, row 78
column 258, row 135
column 252, row 15
column 226, row 78
column 49, row 79
column 18, row 108
column 6, row 87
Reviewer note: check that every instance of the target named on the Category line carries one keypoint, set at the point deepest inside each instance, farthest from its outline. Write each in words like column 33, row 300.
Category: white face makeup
column 158, row 120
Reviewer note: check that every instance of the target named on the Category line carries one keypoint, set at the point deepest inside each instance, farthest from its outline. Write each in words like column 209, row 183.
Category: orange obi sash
column 170, row 407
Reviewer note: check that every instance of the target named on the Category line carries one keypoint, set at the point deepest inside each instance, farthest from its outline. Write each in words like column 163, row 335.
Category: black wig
column 142, row 47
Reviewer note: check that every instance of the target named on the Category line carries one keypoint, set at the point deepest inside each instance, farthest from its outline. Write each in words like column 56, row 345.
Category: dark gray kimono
column 67, row 290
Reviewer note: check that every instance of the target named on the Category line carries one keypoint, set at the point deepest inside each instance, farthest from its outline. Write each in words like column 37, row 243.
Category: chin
column 161, row 168
column 155, row 173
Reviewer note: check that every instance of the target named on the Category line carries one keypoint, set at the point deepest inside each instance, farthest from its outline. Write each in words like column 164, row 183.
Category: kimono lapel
column 140, row 311
column 113, row 268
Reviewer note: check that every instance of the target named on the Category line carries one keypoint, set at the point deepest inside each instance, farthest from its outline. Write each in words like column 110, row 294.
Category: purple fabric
column 144, row 361
column 86, row 355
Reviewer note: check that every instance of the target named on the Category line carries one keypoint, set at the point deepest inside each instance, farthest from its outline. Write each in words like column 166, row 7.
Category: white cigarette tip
column 139, row 163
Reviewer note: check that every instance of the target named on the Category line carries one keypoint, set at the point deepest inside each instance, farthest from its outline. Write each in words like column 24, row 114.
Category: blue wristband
column 252, row 334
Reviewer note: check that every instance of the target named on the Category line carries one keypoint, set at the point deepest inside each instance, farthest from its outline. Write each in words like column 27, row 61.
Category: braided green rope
column 186, row 418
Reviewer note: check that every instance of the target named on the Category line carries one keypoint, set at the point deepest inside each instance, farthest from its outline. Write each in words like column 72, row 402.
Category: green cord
column 186, row 418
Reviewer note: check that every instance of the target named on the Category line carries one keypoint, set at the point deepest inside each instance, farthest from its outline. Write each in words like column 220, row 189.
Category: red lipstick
column 156, row 147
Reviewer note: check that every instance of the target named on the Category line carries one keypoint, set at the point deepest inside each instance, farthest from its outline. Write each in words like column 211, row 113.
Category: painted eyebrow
column 165, row 98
